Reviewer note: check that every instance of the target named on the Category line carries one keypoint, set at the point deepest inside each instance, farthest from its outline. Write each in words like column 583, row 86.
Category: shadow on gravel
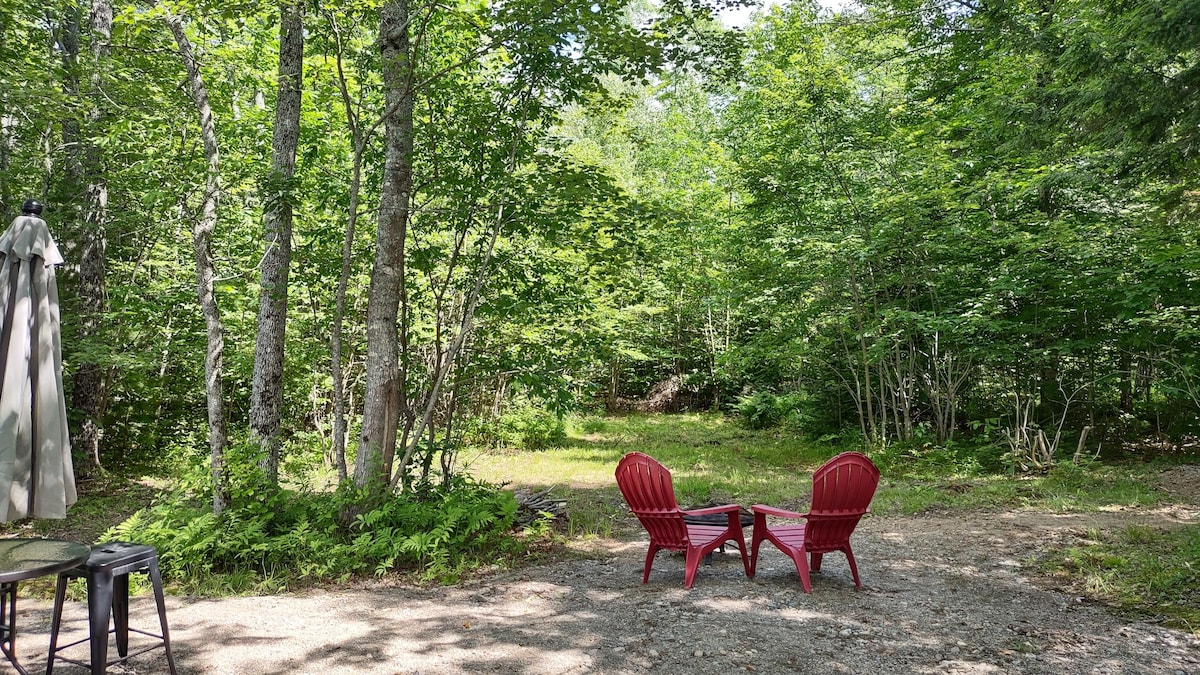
column 943, row 596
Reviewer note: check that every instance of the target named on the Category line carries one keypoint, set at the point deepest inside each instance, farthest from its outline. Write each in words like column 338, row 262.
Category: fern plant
column 281, row 539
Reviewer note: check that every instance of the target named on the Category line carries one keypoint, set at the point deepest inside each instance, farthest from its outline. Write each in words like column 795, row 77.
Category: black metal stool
column 107, row 573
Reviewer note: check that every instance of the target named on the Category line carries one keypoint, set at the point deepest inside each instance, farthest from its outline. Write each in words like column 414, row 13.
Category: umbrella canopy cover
column 36, row 476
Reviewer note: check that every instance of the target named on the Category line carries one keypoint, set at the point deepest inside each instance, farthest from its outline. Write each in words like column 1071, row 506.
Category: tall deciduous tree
column 381, row 402
column 266, row 400
column 202, row 234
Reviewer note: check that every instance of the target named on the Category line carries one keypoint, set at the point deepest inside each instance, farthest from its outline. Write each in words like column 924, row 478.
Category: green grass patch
column 714, row 460
column 1065, row 488
column 1149, row 572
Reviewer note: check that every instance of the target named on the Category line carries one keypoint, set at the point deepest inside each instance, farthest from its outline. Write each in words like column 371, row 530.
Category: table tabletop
column 27, row 558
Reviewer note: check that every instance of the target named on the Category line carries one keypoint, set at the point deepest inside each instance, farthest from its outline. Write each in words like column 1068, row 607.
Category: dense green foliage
column 911, row 220
column 965, row 235
column 950, row 229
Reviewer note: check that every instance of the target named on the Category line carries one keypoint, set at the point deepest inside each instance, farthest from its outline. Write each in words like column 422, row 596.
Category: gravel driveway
column 943, row 595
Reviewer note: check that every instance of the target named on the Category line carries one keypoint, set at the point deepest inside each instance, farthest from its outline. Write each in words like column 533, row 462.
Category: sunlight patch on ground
column 728, row 605
column 793, row 614
column 611, row 547
column 541, row 469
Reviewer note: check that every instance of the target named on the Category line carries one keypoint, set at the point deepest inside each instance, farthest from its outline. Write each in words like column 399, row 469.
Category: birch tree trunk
column 381, row 405
column 266, row 398
column 202, row 232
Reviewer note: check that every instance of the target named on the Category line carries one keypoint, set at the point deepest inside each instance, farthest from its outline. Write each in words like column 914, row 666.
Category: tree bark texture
column 381, row 405
column 88, row 391
column 202, row 233
column 266, row 399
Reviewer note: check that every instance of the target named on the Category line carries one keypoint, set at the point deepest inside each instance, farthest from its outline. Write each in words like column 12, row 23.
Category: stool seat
column 113, row 557
column 107, row 573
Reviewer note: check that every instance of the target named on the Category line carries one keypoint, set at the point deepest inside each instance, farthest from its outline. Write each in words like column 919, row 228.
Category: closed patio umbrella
column 36, row 476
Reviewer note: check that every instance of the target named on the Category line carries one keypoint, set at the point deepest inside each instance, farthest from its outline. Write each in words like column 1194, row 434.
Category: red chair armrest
column 772, row 511
column 726, row 508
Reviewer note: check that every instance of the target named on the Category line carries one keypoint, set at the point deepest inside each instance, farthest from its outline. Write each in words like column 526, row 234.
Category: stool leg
column 8, row 617
column 60, row 598
column 120, row 610
column 100, row 601
column 156, row 582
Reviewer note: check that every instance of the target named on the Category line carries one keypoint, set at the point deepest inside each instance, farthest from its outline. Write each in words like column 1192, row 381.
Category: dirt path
column 944, row 595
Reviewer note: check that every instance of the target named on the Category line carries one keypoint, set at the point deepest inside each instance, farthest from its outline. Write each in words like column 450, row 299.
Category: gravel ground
column 944, row 594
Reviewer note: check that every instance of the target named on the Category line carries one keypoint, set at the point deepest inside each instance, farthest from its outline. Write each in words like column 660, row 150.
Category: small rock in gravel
column 653, row 653
column 697, row 653
column 846, row 632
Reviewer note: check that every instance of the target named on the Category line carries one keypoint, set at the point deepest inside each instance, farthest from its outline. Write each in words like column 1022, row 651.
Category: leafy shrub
column 535, row 428
column 273, row 539
column 764, row 410
column 795, row 412
column 523, row 425
column 759, row 410
column 923, row 457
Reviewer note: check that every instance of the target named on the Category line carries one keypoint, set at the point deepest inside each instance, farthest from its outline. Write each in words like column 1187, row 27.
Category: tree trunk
column 202, row 233
column 266, row 398
column 88, row 391
column 336, row 349
column 381, row 405
column 1126, row 382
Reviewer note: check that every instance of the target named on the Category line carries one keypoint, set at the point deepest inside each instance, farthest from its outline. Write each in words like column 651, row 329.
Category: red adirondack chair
column 646, row 486
column 842, row 489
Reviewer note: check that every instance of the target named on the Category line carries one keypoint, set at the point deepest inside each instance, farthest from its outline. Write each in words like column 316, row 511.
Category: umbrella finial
column 31, row 207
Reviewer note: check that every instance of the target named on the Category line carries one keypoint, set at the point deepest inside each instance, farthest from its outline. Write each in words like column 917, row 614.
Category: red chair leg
column 756, row 538
column 801, row 561
column 649, row 562
column 694, row 556
column 853, row 567
column 816, row 561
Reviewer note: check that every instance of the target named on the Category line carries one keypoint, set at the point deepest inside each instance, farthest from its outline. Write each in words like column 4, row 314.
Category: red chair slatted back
column 646, row 486
column 842, row 490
